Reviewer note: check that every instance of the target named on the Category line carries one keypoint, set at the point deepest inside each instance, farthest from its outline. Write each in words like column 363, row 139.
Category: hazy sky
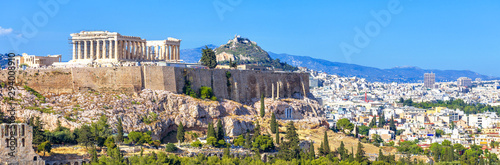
column 461, row 35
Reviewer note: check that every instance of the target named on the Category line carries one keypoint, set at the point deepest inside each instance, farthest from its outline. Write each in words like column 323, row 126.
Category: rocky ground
column 75, row 109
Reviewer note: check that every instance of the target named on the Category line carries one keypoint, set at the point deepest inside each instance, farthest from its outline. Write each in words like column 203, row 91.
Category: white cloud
column 4, row 31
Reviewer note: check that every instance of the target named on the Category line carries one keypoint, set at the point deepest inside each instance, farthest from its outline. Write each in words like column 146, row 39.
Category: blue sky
column 459, row 35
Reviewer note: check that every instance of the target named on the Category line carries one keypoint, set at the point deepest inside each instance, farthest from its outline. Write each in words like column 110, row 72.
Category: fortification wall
column 241, row 85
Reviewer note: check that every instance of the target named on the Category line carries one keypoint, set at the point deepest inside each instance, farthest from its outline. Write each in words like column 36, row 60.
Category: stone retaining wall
column 241, row 86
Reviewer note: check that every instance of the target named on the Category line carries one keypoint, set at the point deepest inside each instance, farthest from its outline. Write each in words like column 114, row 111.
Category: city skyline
column 459, row 37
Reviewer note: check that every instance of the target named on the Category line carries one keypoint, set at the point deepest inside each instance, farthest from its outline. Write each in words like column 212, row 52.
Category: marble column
column 104, row 49
column 109, row 49
column 175, row 53
column 85, row 47
column 143, row 48
column 150, row 55
column 98, row 50
column 163, row 52
column 116, row 49
column 169, row 52
column 156, row 52
column 91, row 54
column 136, row 50
column 127, row 46
column 74, row 50
column 79, row 51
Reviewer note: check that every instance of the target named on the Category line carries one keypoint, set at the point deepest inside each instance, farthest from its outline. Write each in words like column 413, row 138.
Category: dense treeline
column 453, row 104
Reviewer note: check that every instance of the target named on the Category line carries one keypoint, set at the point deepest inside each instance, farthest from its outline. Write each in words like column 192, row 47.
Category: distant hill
column 242, row 50
column 397, row 74
column 193, row 55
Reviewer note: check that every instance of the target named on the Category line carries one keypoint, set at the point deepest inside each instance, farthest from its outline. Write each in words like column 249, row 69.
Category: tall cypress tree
column 210, row 130
column 325, row 148
column 262, row 106
column 380, row 155
column 342, row 151
column 119, row 128
column 392, row 125
column 312, row 154
column 248, row 141
column 381, row 120
column 356, row 132
column 256, row 130
column 180, row 132
column 360, row 153
column 277, row 135
column 290, row 148
column 373, row 123
column 273, row 123
column 220, row 131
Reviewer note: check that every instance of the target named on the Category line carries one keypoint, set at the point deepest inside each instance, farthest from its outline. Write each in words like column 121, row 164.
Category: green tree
column 343, row 151
column 373, row 123
column 256, row 130
column 110, row 143
column 290, row 149
column 85, row 136
column 119, row 127
column 135, row 136
column 38, row 134
column 312, row 153
column 392, row 125
column 240, row 141
column 277, row 135
column 93, row 155
column 208, row 58
column 380, row 155
column 170, row 147
column 262, row 106
column 210, row 130
column 381, row 120
column 196, row 143
column 345, row 124
column 364, row 130
column 220, row 131
column 360, row 153
column 273, row 123
column 248, row 141
column 227, row 151
column 233, row 64
column 45, row 147
column 180, row 132
column 212, row 141
column 263, row 143
column 325, row 146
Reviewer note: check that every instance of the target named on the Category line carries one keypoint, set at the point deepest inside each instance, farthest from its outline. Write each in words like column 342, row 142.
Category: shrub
column 221, row 143
column 151, row 117
column 206, row 92
column 171, row 147
column 197, row 143
column 212, row 141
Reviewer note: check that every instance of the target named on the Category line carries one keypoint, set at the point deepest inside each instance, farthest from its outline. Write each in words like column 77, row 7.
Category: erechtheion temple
column 112, row 47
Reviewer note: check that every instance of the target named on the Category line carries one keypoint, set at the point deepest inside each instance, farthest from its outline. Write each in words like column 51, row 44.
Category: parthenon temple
column 104, row 46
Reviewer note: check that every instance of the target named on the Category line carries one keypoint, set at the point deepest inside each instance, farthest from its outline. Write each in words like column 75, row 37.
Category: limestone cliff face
column 73, row 110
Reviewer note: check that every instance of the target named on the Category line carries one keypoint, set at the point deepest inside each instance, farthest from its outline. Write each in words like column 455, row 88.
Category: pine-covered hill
column 243, row 51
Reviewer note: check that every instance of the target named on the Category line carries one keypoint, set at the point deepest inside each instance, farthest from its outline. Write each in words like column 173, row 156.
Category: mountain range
column 408, row 74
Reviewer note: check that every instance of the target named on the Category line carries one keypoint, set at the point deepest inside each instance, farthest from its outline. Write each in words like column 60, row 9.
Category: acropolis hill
column 242, row 87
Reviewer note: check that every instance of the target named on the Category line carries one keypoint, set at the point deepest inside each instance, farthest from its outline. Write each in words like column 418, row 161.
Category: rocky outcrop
column 73, row 110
